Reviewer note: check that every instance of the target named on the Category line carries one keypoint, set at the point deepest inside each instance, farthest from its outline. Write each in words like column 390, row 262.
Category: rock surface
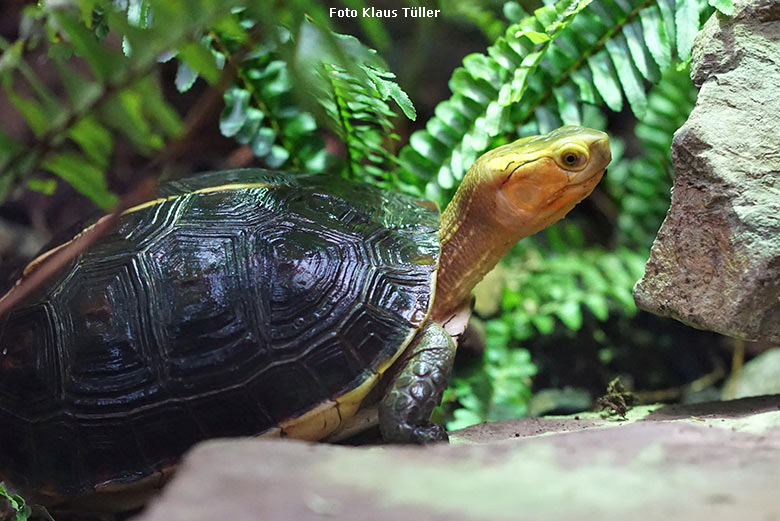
column 759, row 376
column 715, row 461
column 716, row 261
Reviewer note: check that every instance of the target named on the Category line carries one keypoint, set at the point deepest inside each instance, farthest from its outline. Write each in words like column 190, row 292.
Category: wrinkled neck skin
column 484, row 220
column 466, row 256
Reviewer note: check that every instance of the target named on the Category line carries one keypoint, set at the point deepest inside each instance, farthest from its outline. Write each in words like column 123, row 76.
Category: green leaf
column 480, row 66
column 604, row 80
column 42, row 111
column 277, row 156
column 126, row 114
column 544, row 323
column 251, row 126
column 84, row 176
column 8, row 147
column 94, row 140
column 724, row 6
column 464, row 418
column 20, row 506
column 157, row 109
column 390, row 89
column 640, row 54
column 185, row 77
column 486, row 92
column 9, row 497
column 11, row 56
column 351, row 84
column 534, row 36
column 513, row 91
column 667, row 9
column 598, row 305
column 655, row 36
column 138, row 12
column 45, row 186
column 229, row 26
column 235, row 112
column 629, row 76
column 33, row 112
column 262, row 142
column 583, row 79
column 317, row 46
column 86, row 7
column 104, row 63
column 300, row 124
column 371, row 25
column 82, row 91
column 568, row 105
column 687, row 24
column 200, row 59
column 514, row 12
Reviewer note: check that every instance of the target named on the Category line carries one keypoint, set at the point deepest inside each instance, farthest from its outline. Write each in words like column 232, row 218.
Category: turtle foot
column 430, row 433
column 416, row 390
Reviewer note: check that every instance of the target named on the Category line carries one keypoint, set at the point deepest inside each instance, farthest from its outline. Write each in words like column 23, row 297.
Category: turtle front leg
column 405, row 412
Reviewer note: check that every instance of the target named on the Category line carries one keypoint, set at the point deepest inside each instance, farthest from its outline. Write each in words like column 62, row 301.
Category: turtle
column 253, row 302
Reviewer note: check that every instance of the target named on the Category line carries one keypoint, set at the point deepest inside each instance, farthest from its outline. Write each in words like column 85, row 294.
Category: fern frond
column 538, row 77
column 547, row 287
column 483, row 90
column 348, row 82
column 542, row 292
column 260, row 108
column 499, row 389
column 353, row 86
column 614, row 48
column 361, row 120
column 640, row 186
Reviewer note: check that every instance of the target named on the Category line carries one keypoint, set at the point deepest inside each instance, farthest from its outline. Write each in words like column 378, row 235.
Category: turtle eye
column 572, row 159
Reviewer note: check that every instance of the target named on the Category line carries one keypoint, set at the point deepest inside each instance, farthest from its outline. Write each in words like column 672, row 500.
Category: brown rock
column 716, row 261
column 705, row 462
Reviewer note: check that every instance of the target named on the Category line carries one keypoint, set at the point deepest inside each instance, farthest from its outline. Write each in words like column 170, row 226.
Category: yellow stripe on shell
column 209, row 190
column 326, row 418
column 148, row 204
column 320, row 422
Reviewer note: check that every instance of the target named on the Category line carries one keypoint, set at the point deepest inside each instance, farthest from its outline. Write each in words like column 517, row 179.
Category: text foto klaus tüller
column 373, row 12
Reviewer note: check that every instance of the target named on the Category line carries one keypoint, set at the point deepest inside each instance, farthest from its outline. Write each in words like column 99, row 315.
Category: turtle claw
column 417, row 434
column 430, row 433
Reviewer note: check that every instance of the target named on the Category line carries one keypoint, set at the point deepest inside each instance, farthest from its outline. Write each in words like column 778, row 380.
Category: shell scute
column 229, row 411
column 30, row 364
column 105, row 363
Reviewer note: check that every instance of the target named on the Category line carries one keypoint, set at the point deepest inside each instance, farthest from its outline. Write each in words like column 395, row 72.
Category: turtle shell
column 234, row 302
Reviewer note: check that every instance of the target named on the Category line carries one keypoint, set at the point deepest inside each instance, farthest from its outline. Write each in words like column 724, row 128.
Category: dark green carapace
column 236, row 301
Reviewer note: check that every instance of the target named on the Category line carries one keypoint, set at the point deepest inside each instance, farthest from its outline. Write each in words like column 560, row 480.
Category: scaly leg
column 405, row 412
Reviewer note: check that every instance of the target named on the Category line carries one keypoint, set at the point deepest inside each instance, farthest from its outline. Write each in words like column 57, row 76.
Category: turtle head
column 509, row 193
column 537, row 180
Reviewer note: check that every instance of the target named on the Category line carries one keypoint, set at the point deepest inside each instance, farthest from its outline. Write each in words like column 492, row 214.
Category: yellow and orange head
column 537, row 180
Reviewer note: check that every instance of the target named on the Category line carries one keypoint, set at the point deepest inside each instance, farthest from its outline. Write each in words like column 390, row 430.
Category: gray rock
column 705, row 462
column 759, row 376
column 716, row 261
